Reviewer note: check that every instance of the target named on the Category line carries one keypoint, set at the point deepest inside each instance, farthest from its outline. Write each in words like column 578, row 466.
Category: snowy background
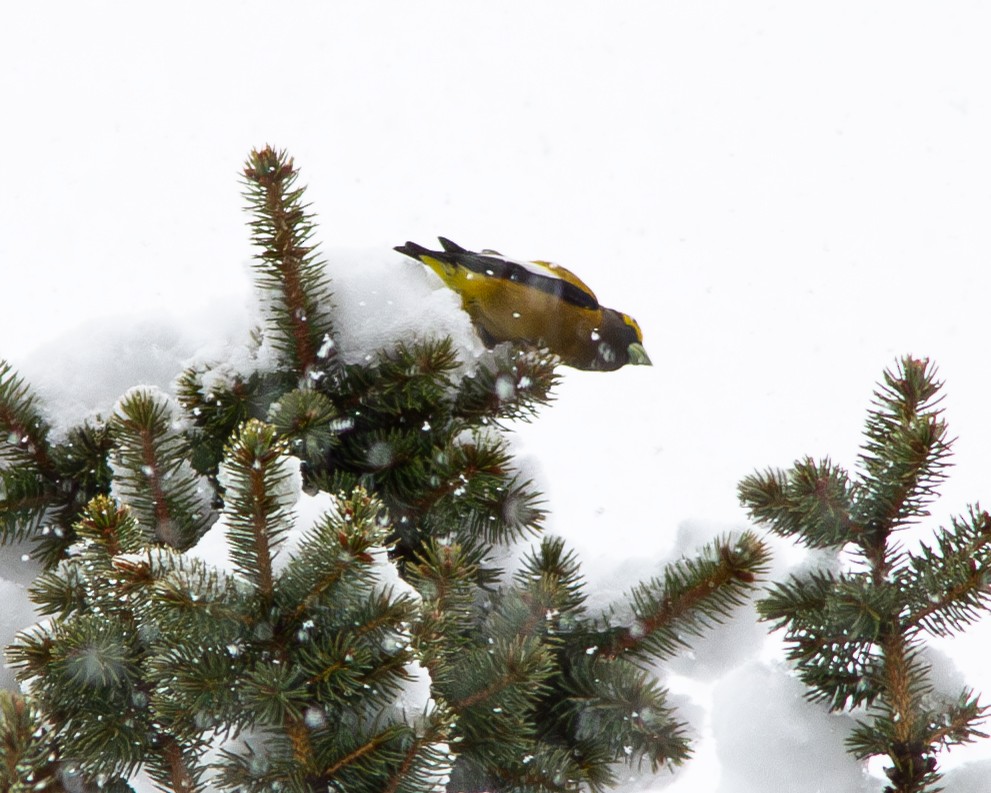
column 786, row 196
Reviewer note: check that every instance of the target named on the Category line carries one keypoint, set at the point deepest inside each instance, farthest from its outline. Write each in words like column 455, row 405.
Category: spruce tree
column 374, row 647
column 857, row 631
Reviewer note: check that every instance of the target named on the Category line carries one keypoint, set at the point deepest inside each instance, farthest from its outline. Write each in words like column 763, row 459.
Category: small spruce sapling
column 857, row 635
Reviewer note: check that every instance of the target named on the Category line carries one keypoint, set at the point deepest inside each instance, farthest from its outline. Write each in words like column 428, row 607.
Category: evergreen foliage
column 43, row 484
column 304, row 664
column 857, row 634
column 150, row 473
column 291, row 278
column 25, row 745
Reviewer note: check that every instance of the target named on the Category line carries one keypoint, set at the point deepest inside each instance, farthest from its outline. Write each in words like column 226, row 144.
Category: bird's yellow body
column 537, row 303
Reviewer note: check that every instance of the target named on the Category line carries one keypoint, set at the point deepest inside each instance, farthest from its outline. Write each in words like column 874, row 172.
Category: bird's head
column 620, row 342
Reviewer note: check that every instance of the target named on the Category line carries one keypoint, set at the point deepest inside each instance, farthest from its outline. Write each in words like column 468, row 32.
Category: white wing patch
column 546, row 269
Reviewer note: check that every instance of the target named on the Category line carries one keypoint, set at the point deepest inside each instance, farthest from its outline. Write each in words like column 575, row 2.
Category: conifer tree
column 857, row 633
column 373, row 647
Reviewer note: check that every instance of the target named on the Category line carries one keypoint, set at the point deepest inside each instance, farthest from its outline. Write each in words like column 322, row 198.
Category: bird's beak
column 638, row 355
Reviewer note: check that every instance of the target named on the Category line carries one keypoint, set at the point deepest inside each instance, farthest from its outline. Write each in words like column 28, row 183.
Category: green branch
column 288, row 269
column 854, row 635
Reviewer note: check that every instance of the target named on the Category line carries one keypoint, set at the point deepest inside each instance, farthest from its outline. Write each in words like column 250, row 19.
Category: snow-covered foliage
column 786, row 197
column 733, row 667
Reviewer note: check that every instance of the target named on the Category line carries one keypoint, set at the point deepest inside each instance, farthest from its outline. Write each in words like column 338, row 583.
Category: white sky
column 787, row 196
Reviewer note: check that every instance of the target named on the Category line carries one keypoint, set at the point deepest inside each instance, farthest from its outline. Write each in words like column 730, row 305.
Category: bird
column 537, row 303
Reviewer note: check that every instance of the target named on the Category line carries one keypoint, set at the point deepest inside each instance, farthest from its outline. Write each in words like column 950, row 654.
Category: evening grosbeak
column 537, row 303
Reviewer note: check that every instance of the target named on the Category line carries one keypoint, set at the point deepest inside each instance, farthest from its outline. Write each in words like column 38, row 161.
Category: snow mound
column 82, row 374
column 750, row 707
column 383, row 297
column 380, row 298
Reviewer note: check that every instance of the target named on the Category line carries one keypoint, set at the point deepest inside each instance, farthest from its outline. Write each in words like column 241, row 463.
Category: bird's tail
column 449, row 255
column 444, row 263
column 451, row 247
column 415, row 251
